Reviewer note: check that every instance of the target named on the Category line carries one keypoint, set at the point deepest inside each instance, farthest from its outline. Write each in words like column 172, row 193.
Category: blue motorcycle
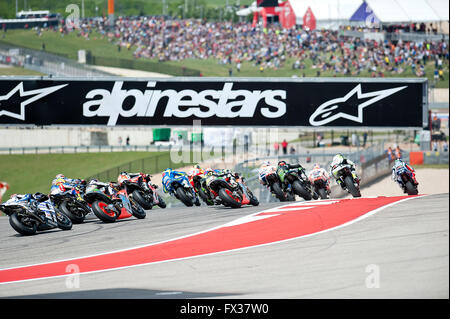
column 30, row 213
column 177, row 184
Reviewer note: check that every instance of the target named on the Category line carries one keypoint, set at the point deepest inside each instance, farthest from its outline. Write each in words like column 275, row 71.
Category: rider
column 398, row 164
column 265, row 169
column 60, row 183
column 167, row 175
column 338, row 160
column 317, row 170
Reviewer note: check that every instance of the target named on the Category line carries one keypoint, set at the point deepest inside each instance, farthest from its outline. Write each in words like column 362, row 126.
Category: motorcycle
column 347, row 179
column 299, row 182
column 71, row 203
column 110, row 202
column 144, row 192
column 232, row 192
column 179, row 186
column 407, row 181
column 198, row 182
column 320, row 183
column 274, row 184
column 28, row 215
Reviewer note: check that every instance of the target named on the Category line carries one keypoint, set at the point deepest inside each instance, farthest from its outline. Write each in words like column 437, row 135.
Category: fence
column 82, row 149
column 150, row 165
column 47, row 63
column 150, row 66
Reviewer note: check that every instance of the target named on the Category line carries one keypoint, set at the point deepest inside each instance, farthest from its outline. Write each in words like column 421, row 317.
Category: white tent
column 326, row 12
column 411, row 11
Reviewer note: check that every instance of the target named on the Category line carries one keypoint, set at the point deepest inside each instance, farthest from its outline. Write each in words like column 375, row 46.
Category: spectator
column 292, row 150
column 284, row 145
column 128, row 140
column 390, row 154
column 276, row 147
column 398, row 152
column 167, row 39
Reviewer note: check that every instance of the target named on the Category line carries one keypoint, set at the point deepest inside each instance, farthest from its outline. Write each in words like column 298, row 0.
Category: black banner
column 396, row 103
column 267, row 3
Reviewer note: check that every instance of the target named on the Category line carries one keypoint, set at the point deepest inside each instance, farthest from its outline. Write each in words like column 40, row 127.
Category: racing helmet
column 196, row 166
column 338, row 157
column 316, row 166
column 398, row 162
column 58, row 176
column 122, row 177
column 282, row 163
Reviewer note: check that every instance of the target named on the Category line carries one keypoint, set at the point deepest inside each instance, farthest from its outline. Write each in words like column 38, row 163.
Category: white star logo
column 34, row 96
column 332, row 110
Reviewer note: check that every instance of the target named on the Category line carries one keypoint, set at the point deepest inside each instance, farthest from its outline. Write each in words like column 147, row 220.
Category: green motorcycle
column 296, row 177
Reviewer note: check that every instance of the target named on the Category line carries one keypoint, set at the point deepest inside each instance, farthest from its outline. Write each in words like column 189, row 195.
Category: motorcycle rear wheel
column 300, row 191
column 141, row 200
column 410, row 189
column 351, row 187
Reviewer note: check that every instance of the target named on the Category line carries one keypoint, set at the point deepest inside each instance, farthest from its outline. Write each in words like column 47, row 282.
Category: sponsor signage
column 219, row 103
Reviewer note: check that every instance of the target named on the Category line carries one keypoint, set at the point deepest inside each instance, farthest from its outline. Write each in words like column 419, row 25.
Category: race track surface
column 398, row 249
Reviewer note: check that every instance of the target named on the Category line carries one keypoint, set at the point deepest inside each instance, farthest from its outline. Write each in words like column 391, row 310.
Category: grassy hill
column 71, row 43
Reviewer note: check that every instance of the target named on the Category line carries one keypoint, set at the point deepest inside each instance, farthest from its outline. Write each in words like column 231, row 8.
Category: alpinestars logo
column 337, row 108
column 224, row 103
column 31, row 96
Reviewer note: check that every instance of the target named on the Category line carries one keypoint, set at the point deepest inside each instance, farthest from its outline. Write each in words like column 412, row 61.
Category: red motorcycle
column 110, row 202
column 140, row 187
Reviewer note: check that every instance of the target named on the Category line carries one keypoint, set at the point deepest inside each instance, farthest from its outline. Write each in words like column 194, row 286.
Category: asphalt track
column 398, row 251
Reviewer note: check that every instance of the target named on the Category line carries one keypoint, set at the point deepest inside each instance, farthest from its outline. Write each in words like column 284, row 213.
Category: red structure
column 284, row 11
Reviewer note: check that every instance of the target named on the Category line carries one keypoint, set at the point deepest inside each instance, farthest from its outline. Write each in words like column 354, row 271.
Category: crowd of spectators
column 233, row 43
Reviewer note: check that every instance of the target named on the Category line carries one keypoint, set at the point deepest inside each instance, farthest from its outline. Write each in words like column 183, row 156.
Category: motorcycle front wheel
column 229, row 199
column 26, row 229
column 104, row 213
column 63, row 221
column 74, row 210
column 301, row 191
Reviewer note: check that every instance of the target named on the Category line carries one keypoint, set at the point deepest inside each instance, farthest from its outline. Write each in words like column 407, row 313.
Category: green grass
column 33, row 173
column 71, row 43
column 6, row 71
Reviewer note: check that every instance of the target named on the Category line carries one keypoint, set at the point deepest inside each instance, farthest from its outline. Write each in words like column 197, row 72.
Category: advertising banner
column 283, row 102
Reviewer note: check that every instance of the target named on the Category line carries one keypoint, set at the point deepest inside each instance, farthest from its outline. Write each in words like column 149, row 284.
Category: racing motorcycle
column 347, row 178
column 320, row 183
column 273, row 182
column 110, row 202
column 143, row 191
column 198, row 182
column 232, row 192
column 71, row 203
column 178, row 185
column 407, row 180
column 31, row 213
column 299, row 181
